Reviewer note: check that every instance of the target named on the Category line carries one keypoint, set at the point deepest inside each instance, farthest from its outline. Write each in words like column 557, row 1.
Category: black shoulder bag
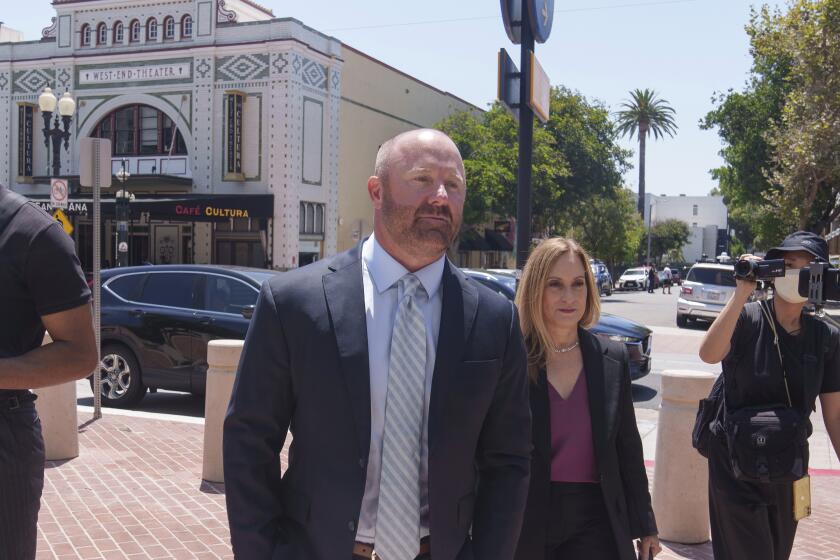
column 768, row 443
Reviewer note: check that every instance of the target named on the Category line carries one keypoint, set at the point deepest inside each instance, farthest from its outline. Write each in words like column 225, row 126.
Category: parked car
column 632, row 279
column 704, row 292
column 676, row 277
column 157, row 321
column 603, row 278
column 636, row 337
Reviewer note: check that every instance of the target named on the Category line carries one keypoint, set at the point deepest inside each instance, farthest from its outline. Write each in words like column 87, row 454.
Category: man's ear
column 375, row 191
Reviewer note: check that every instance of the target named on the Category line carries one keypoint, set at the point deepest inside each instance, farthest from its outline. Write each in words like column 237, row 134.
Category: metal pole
column 526, row 138
column 97, row 282
column 122, row 228
column 650, row 218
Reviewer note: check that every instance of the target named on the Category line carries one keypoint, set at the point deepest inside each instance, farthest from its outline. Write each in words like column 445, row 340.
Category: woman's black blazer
column 618, row 451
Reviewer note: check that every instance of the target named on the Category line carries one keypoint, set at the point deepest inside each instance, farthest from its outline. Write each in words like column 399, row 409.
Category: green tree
column 643, row 115
column 782, row 133
column 668, row 237
column 576, row 158
column 609, row 227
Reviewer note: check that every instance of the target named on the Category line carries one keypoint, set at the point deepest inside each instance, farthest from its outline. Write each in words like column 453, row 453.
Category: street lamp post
column 47, row 102
column 123, row 199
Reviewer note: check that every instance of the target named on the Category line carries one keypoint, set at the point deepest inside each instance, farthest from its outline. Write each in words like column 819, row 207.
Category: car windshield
column 634, row 271
column 716, row 276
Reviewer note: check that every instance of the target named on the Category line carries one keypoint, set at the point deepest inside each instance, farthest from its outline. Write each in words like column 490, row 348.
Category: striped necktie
column 398, row 514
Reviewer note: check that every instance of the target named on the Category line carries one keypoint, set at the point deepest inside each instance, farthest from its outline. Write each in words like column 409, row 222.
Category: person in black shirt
column 755, row 520
column 42, row 288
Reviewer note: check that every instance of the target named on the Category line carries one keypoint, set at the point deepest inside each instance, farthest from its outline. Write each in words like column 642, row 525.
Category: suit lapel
column 458, row 308
column 541, row 418
column 593, row 368
column 345, row 296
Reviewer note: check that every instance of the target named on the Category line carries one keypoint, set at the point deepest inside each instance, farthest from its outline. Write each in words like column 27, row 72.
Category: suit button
column 352, row 526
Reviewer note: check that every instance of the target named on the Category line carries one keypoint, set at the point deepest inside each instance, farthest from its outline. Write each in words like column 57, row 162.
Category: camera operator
column 776, row 360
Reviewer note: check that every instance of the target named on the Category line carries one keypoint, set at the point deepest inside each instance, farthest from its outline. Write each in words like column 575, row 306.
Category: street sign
column 58, row 193
column 512, row 18
column 541, row 16
column 508, row 83
column 540, row 90
column 62, row 218
column 95, row 162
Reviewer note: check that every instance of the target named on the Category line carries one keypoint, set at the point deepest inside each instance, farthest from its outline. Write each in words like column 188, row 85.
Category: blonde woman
column 588, row 495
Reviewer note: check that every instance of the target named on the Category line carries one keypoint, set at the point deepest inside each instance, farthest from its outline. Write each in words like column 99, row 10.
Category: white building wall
column 702, row 214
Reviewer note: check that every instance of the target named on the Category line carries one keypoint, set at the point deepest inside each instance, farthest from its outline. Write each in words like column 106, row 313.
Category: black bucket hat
column 801, row 241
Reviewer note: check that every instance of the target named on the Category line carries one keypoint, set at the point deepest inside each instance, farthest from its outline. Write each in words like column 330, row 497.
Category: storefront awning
column 187, row 207
column 497, row 241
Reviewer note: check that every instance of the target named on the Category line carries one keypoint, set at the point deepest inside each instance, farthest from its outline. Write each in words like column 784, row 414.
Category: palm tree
column 645, row 114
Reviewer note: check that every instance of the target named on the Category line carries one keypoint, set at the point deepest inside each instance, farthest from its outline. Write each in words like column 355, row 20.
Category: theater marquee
column 134, row 73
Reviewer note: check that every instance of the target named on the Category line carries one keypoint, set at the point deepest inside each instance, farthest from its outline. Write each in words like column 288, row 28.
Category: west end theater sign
column 170, row 70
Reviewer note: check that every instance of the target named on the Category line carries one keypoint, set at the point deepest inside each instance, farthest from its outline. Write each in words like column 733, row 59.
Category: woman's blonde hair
column 529, row 297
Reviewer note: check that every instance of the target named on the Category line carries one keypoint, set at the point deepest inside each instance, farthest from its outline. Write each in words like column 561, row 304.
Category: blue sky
column 684, row 49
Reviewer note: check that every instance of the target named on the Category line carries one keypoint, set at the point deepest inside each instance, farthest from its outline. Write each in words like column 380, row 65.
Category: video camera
column 819, row 282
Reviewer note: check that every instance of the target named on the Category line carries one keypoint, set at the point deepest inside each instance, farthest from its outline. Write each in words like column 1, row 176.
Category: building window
column 137, row 130
column 694, row 210
column 101, row 34
column 169, row 28
column 234, row 104
column 85, row 34
column 311, row 218
column 186, row 27
column 119, row 33
column 134, row 31
column 151, row 30
column 26, row 112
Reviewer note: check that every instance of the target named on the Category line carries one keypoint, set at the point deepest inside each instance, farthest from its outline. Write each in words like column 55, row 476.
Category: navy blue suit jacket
column 304, row 370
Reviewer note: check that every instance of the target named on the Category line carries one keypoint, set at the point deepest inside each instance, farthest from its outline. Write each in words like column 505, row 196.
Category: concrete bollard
column 222, row 360
column 56, row 407
column 680, row 479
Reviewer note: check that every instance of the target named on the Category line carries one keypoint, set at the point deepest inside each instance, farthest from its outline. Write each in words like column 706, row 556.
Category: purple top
column 572, row 449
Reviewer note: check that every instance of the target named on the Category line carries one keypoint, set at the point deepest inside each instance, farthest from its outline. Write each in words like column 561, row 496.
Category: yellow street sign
column 62, row 218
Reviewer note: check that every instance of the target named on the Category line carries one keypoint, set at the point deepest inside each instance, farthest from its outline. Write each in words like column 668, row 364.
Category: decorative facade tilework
column 296, row 63
column 314, row 74
column 202, row 68
column 32, row 81
column 4, row 80
column 64, row 79
column 244, row 67
column 335, row 77
column 279, row 62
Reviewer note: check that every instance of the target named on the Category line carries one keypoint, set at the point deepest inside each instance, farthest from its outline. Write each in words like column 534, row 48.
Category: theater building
column 245, row 138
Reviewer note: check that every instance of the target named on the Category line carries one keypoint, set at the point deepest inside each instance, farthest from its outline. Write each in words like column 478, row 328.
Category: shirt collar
column 385, row 271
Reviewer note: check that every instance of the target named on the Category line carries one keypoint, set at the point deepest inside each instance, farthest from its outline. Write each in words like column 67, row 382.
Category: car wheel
column 122, row 382
column 609, row 291
column 682, row 321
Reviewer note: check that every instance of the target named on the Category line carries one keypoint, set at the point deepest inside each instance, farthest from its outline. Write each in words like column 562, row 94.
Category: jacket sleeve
column 631, row 460
column 255, row 430
column 503, row 457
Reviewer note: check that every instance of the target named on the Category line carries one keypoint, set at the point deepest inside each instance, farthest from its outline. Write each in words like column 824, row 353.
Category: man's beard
column 426, row 237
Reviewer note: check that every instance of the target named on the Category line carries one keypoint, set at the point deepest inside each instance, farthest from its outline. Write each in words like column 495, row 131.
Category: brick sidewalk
column 135, row 491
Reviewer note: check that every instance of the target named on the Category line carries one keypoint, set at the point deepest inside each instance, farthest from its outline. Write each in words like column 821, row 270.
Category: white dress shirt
column 380, row 275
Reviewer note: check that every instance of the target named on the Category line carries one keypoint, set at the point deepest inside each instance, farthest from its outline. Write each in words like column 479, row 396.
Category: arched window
column 136, row 130
column 119, row 33
column 85, row 35
column 169, row 28
column 151, row 30
column 134, row 31
column 101, row 34
column 186, row 27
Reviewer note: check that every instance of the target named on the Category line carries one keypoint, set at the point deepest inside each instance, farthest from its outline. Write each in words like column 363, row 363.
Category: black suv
column 157, row 321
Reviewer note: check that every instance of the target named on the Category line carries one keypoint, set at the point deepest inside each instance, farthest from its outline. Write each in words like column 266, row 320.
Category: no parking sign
column 58, row 193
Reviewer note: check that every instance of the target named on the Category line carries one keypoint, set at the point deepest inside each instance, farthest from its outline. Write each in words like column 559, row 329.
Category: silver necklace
column 560, row 350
